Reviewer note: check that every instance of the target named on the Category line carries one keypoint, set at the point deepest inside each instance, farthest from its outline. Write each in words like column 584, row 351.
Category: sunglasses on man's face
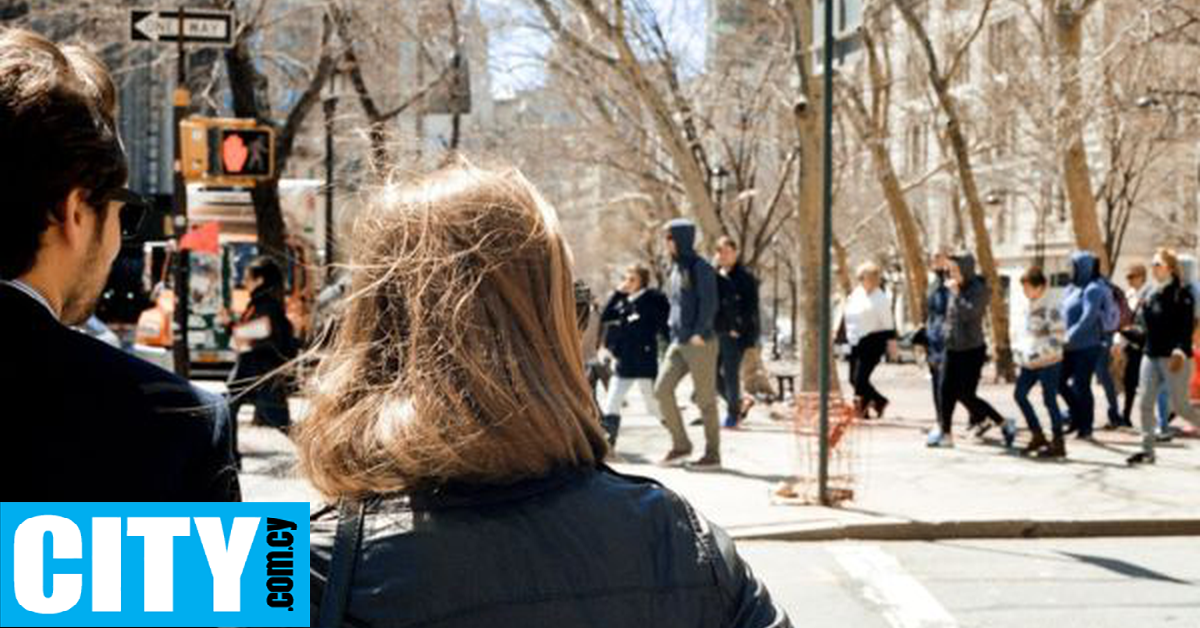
column 134, row 208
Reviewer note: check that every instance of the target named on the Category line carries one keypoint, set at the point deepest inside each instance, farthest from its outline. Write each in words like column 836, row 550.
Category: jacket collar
column 457, row 495
column 24, row 288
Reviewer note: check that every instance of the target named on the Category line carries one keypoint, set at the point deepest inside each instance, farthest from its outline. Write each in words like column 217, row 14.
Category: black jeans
column 960, row 383
column 729, row 384
column 864, row 357
column 1131, row 377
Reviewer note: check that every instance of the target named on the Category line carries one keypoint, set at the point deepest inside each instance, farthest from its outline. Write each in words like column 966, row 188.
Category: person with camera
column 634, row 318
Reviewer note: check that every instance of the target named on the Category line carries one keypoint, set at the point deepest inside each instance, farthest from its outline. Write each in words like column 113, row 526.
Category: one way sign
column 212, row 28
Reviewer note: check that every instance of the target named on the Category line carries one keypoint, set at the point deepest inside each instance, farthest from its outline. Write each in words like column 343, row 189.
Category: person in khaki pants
column 692, row 290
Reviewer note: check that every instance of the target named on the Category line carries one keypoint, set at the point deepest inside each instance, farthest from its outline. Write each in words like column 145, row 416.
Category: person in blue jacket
column 1082, row 306
column 692, row 290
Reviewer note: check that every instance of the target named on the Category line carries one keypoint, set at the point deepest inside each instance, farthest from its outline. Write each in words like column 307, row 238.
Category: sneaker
column 708, row 462
column 1141, row 457
column 1009, row 430
column 731, row 423
column 937, row 439
column 675, row 458
column 1164, row 437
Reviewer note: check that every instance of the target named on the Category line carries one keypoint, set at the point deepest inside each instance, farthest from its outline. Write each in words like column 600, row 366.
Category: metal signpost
column 826, row 257
column 207, row 28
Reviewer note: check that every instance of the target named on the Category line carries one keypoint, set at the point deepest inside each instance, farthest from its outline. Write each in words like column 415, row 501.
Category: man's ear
column 78, row 217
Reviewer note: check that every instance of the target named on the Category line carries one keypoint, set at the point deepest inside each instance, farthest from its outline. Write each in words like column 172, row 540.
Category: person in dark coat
column 634, row 318
column 86, row 422
column 1165, row 324
column 737, row 325
column 466, row 442
column 966, row 351
column 265, row 342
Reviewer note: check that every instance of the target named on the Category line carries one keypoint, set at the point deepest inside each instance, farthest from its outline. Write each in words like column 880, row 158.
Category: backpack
column 1114, row 309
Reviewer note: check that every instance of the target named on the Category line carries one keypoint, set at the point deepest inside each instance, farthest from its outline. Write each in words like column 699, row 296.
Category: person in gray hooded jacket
column 692, row 290
column 966, row 352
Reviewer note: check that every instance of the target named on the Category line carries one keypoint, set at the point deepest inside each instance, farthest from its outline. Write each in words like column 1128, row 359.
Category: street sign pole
column 826, row 256
column 182, row 258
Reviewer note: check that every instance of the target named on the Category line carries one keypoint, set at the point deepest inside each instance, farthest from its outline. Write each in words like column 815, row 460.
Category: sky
column 514, row 48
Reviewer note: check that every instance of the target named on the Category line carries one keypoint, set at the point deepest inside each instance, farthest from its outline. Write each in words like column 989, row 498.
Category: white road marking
column 905, row 603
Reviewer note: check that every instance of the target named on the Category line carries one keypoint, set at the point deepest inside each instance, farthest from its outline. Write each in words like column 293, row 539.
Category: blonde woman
column 453, row 423
column 871, row 332
column 1166, row 321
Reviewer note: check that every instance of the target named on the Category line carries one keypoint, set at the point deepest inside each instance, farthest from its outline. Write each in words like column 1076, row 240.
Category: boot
column 1057, row 449
column 611, row 423
column 860, row 408
column 1036, row 441
column 880, row 406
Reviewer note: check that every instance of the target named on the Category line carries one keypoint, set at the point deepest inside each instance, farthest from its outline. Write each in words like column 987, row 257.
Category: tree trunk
column 998, row 311
column 1077, row 178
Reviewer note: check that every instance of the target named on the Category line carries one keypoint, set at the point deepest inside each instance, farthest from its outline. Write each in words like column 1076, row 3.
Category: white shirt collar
column 33, row 294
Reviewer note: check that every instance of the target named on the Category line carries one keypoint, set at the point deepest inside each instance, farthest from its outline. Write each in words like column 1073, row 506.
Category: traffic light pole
column 183, row 264
column 330, row 108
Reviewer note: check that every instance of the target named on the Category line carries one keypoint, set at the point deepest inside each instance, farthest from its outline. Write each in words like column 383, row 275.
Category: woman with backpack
column 452, row 426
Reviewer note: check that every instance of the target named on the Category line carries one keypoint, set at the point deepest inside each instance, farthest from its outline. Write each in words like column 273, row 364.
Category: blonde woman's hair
column 1171, row 259
column 458, row 358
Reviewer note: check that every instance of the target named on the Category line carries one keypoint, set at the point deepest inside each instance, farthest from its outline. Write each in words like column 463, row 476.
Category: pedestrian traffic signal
column 227, row 151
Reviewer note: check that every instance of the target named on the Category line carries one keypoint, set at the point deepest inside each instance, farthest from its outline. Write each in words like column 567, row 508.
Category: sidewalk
column 904, row 490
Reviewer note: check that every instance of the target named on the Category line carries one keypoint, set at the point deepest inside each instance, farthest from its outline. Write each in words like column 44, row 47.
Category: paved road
column 1078, row 583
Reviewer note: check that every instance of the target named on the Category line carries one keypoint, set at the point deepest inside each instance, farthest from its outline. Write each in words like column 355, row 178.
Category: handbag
column 346, row 545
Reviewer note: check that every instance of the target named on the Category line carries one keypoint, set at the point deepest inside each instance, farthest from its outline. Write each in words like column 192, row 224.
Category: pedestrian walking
column 634, row 318
column 96, row 424
column 1168, row 320
column 452, row 427
column 1130, row 342
column 737, row 326
column 265, row 342
column 871, row 333
column 692, row 290
column 1039, row 354
column 1084, row 307
column 966, row 353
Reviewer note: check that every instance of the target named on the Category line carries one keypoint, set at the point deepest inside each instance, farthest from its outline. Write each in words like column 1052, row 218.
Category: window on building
column 1001, row 45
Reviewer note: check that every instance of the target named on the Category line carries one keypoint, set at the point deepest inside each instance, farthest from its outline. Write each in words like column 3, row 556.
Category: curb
column 902, row 530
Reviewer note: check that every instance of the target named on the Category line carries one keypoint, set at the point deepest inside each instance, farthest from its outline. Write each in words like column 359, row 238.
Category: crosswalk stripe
column 904, row 602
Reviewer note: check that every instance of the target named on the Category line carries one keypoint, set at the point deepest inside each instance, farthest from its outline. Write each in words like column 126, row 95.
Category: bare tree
column 939, row 73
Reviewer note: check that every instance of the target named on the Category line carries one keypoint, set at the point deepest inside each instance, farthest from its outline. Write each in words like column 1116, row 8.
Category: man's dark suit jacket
column 83, row 421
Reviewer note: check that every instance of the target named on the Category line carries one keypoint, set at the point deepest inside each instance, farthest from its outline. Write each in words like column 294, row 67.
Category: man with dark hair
column 265, row 342
column 736, row 325
column 97, row 424
column 692, row 291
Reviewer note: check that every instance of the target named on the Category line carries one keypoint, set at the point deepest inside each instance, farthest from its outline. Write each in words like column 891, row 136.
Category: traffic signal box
column 227, row 151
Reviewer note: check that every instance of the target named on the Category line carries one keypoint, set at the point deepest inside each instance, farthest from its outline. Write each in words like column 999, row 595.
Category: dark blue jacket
column 581, row 547
column 631, row 331
column 692, row 287
column 935, row 319
column 89, row 422
column 1082, row 303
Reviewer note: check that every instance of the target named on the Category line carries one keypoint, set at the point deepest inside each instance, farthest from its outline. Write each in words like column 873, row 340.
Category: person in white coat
column 871, row 332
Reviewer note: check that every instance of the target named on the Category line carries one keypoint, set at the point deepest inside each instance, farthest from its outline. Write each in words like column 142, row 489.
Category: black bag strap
column 341, row 564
